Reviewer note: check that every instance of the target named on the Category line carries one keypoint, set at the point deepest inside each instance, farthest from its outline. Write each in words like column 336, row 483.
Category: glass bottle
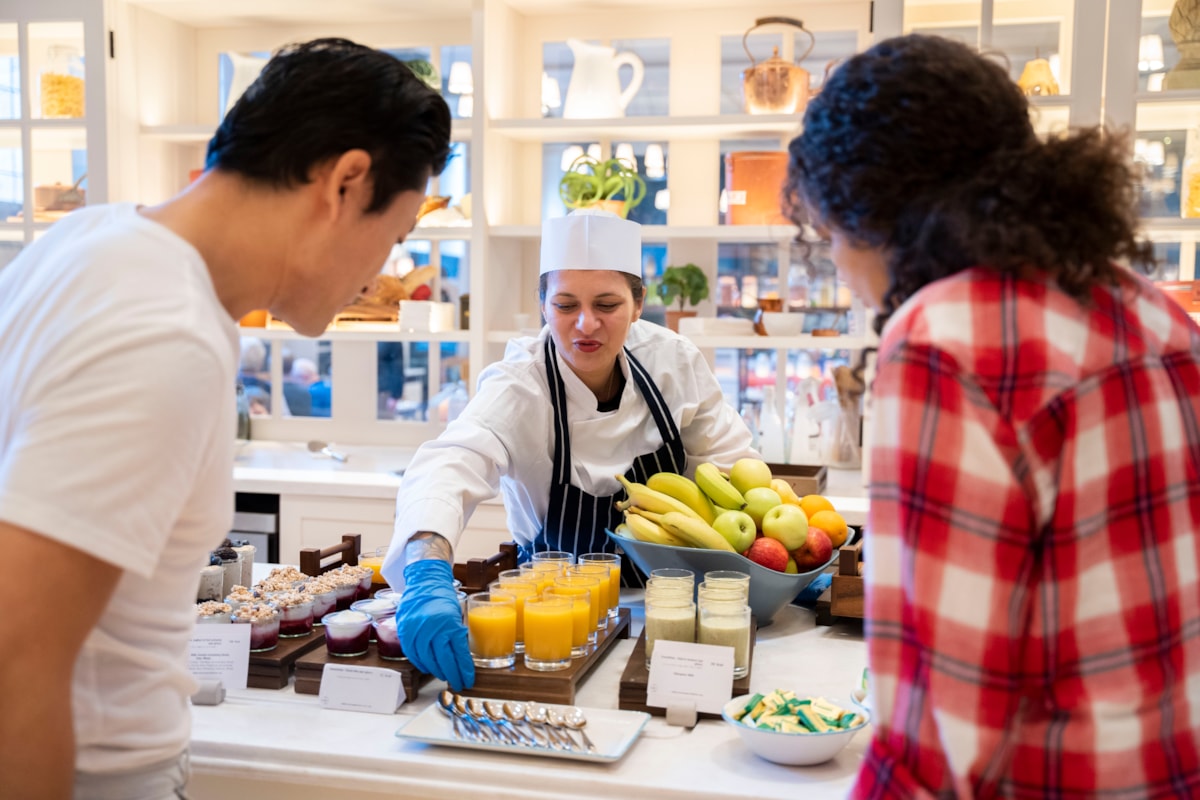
column 62, row 83
column 797, row 287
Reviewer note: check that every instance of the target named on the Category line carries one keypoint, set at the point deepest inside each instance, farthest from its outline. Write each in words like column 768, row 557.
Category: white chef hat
column 590, row 238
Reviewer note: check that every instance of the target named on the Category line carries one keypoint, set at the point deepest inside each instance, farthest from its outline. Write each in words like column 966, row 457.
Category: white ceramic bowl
column 783, row 323
column 793, row 749
column 769, row 590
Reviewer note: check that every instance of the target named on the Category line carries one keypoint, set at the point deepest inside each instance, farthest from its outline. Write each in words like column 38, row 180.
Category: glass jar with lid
column 61, row 83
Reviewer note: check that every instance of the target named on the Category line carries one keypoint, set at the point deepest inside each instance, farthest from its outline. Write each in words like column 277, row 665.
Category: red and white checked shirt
column 1033, row 608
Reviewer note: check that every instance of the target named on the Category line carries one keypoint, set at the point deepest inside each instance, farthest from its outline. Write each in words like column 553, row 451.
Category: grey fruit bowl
column 769, row 590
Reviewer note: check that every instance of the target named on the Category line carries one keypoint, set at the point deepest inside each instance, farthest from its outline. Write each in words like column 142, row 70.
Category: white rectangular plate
column 610, row 730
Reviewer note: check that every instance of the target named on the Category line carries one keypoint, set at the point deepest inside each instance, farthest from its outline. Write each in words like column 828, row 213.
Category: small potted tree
column 687, row 285
column 611, row 184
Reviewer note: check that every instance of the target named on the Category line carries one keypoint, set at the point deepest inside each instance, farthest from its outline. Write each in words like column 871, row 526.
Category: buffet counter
column 286, row 468
column 277, row 745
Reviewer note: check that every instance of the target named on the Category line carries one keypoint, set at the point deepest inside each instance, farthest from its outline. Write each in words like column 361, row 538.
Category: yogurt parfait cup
column 377, row 608
column 324, row 600
column 264, row 625
column 347, row 633
column 239, row 596
column 366, row 580
column 346, row 589
column 387, row 640
column 295, row 614
column 212, row 612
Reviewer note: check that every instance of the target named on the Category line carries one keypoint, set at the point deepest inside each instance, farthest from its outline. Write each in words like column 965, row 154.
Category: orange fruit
column 832, row 523
column 812, row 503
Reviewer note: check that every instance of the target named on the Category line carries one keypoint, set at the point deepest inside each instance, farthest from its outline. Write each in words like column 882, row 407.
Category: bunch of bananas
column 674, row 510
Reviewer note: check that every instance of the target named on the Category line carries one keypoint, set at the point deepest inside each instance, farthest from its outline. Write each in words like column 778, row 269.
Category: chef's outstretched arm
column 429, row 618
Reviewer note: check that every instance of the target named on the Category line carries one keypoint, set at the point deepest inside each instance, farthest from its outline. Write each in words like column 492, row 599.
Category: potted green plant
column 611, row 184
column 687, row 285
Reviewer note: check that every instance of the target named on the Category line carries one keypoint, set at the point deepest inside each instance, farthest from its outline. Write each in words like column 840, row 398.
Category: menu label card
column 685, row 674
column 371, row 689
column 220, row 653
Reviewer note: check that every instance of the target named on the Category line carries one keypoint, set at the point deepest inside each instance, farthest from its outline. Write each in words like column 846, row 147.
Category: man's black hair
column 315, row 101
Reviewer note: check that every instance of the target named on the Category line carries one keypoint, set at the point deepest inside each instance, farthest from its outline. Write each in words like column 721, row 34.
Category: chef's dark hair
column 636, row 286
column 317, row 100
column 925, row 148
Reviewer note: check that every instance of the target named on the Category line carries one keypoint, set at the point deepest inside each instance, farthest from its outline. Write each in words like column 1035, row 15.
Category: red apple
column 815, row 552
column 769, row 553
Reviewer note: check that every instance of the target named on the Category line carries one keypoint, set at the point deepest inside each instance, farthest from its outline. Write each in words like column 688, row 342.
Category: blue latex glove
column 431, row 626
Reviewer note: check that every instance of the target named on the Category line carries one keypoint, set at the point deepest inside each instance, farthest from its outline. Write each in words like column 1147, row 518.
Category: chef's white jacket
column 504, row 438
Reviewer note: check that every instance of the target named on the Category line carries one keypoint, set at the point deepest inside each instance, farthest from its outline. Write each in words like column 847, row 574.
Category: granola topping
column 211, row 608
column 255, row 612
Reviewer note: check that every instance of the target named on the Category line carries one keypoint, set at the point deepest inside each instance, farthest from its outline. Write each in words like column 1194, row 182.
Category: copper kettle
column 776, row 86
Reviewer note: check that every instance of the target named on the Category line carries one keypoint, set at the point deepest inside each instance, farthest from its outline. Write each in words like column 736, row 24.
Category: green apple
column 750, row 473
column 759, row 501
column 791, row 566
column 787, row 524
column 738, row 529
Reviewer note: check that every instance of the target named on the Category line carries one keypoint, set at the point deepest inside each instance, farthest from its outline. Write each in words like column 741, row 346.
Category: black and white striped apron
column 575, row 520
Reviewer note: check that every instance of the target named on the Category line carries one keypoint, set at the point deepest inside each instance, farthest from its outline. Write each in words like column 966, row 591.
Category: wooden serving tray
column 273, row 669
column 521, row 683
column 844, row 597
column 310, row 669
column 636, row 678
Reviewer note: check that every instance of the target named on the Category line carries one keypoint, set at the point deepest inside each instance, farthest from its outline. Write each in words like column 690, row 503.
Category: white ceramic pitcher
column 595, row 88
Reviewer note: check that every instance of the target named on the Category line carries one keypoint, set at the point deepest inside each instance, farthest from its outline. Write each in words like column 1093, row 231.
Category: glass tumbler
column 727, row 625
column 613, row 562
column 492, row 629
column 548, row 632
column 671, row 618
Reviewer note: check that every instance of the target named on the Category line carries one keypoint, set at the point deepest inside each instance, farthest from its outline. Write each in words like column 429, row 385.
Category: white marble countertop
column 271, row 467
column 277, row 744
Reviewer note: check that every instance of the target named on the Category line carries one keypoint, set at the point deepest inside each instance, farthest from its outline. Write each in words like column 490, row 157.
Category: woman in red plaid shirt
column 1033, row 610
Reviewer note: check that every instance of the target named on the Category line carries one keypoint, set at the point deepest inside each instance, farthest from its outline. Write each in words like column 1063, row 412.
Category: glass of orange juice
column 596, row 595
column 374, row 560
column 581, row 617
column 544, row 571
column 520, row 590
column 613, row 562
column 549, row 624
column 492, row 629
column 561, row 556
column 603, row 574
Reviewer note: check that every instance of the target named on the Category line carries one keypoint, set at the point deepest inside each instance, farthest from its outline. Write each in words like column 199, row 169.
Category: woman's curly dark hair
column 925, row 148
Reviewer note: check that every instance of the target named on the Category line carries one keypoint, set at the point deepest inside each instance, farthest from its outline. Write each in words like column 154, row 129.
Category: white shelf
column 667, row 233
column 739, row 342
column 440, row 234
column 460, row 131
column 359, row 331
column 1158, row 111
column 727, row 126
column 1152, row 226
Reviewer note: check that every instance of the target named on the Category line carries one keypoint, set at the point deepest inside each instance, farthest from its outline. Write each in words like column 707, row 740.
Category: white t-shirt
column 117, row 422
column 505, row 439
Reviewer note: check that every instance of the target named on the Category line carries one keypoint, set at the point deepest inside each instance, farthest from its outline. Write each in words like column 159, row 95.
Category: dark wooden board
column 636, row 678
column 310, row 668
column 273, row 669
column 518, row 682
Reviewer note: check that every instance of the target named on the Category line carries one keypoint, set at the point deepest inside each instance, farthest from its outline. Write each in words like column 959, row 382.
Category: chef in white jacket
column 596, row 394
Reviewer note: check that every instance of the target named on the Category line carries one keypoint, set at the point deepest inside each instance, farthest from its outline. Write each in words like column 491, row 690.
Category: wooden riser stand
column 844, row 597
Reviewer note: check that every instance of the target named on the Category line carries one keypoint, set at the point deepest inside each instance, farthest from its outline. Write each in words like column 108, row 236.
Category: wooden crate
column 804, row 479
column 310, row 669
column 844, row 597
column 636, row 678
column 312, row 559
column 477, row 573
column 520, row 683
column 273, row 669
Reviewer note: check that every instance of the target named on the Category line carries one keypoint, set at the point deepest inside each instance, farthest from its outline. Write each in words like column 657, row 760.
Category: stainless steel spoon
column 556, row 721
column 535, row 713
column 459, row 704
column 479, row 714
column 317, row 446
column 515, row 711
column 495, row 710
column 446, row 701
column 575, row 720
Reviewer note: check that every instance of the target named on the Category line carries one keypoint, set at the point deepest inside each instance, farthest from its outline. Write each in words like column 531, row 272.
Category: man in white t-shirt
column 118, row 351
